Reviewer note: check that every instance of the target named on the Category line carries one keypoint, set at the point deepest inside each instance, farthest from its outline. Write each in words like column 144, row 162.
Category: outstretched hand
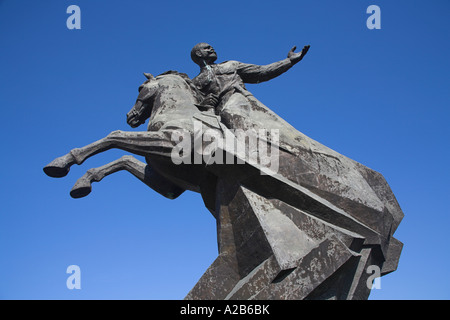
column 297, row 56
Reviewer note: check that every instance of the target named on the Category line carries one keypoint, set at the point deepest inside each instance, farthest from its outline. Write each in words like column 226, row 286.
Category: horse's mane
column 183, row 75
column 195, row 91
column 174, row 72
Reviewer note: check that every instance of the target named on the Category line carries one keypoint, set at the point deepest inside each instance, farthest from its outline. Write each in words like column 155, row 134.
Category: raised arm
column 251, row 73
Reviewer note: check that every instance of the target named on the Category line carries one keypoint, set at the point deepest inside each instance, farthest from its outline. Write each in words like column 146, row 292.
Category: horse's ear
column 149, row 76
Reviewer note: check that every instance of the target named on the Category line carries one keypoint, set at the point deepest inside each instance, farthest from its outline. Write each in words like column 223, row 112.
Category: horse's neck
column 175, row 100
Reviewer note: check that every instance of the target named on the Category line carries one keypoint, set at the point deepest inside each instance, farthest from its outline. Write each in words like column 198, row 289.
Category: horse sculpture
column 311, row 230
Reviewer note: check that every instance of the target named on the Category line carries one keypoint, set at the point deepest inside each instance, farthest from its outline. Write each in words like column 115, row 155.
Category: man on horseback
column 217, row 97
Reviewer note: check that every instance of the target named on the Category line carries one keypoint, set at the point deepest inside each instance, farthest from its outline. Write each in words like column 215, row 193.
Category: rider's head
column 203, row 53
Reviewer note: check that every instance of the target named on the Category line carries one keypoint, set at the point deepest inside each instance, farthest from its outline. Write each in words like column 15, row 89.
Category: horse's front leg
column 83, row 186
column 141, row 143
column 140, row 170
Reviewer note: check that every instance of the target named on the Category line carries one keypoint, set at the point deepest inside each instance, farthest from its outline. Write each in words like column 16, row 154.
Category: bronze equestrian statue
column 309, row 223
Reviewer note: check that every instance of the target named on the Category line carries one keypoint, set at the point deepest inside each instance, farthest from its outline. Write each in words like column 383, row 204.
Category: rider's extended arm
column 251, row 73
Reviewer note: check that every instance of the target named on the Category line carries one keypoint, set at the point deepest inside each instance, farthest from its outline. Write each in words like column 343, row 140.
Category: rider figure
column 222, row 85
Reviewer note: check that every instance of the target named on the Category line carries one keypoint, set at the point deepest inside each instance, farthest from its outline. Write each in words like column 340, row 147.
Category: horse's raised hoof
column 56, row 172
column 59, row 167
column 80, row 192
column 82, row 187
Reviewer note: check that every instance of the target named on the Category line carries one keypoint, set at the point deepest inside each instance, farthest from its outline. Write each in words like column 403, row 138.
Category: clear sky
column 380, row 97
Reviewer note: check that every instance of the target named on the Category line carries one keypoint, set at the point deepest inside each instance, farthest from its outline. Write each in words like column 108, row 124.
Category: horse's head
column 142, row 109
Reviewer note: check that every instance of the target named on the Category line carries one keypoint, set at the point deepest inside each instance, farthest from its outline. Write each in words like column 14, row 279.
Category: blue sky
column 380, row 97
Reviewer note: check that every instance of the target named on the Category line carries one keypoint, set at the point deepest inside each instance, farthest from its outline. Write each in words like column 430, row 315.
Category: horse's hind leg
column 139, row 169
column 140, row 143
